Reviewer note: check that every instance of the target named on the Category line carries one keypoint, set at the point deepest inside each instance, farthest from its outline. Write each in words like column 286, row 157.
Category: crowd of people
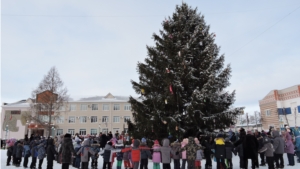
column 82, row 151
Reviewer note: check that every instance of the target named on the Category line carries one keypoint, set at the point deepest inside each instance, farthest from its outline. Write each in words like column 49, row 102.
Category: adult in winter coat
column 156, row 157
column 268, row 150
column 176, row 156
column 289, row 150
column 191, row 150
column 296, row 131
column 103, row 141
column 19, row 153
column 145, row 154
column 96, row 148
column 51, row 152
column 250, row 147
column 41, row 152
column 240, row 151
column 278, row 144
column 298, row 148
column 66, row 151
column 85, row 152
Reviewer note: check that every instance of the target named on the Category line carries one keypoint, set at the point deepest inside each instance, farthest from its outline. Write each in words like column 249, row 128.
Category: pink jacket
column 184, row 143
column 156, row 158
column 289, row 145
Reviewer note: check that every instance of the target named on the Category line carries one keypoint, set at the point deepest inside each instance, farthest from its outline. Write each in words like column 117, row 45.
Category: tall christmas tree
column 182, row 82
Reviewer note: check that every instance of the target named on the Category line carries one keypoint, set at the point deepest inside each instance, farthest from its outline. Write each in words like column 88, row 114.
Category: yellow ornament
column 143, row 91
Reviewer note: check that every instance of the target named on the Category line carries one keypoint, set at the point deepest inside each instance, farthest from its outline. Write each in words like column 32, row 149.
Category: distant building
column 281, row 107
column 84, row 116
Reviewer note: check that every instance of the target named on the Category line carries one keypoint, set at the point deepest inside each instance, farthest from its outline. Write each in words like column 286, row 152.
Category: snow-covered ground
column 235, row 162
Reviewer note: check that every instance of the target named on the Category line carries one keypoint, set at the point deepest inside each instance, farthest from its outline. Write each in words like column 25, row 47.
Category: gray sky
column 96, row 45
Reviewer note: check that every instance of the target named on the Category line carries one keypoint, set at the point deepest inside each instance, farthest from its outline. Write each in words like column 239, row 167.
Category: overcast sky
column 95, row 45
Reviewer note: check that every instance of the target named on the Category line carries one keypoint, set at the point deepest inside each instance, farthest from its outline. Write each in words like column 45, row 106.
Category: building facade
column 281, row 107
column 84, row 116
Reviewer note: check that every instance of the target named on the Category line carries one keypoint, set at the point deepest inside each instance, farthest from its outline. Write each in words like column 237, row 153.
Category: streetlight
column 6, row 129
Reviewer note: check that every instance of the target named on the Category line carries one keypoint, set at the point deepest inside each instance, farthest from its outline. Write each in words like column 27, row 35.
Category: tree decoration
column 171, row 89
column 201, row 43
column 179, row 54
column 143, row 91
column 166, row 101
column 176, row 128
column 168, row 71
column 170, row 36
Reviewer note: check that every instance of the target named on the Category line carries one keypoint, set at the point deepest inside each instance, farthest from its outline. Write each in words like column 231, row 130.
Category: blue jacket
column 296, row 132
column 298, row 143
column 41, row 151
column 26, row 150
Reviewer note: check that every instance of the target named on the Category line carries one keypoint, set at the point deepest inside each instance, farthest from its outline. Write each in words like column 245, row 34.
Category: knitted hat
column 156, row 142
column 67, row 135
column 144, row 140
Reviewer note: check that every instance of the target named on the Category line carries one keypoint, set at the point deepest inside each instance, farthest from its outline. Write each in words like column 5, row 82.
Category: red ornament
column 171, row 89
column 168, row 71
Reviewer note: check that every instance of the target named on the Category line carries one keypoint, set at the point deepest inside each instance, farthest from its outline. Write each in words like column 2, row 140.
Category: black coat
column 19, row 150
column 15, row 148
column 103, row 141
column 250, row 146
column 51, row 150
column 66, row 150
column 10, row 151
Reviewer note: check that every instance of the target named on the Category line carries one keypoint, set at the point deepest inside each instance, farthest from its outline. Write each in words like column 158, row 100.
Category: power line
column 265, row 31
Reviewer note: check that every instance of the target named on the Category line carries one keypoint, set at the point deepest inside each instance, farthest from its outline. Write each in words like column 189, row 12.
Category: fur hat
column 67, row 135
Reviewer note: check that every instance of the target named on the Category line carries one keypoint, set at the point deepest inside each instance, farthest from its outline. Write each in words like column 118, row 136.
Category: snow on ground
column 235, row 162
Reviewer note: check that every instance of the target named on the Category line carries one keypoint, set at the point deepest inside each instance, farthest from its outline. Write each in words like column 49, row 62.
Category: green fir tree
column 182, row 82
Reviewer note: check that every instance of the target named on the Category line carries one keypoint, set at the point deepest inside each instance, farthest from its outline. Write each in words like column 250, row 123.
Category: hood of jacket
column 136, row 143
column 108, row 147
column 275, row 133
column 220, row 141
column 165, row 142
column 191, row 140
column 86, row 143
column 266, row 140
column 288, row 137
column 176, row 144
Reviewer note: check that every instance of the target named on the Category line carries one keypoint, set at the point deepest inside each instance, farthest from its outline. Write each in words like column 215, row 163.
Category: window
column 82, row 132
column 126, row 118
column 93, row 131
column 59, row 132
column 105, row 119
column 71, row 119
column 116, row 119
column 62, row 108
column 72, row 107
column 104, row 131
column 82, row 119
column 105, row 107
column 71, row 131
column 94, row 106
column 94, row 119
column 268, row 112
column 44, row 118
column 280, row 118
column 127, row 107
column 83, row 107
column 116, row 107
column 60, row 120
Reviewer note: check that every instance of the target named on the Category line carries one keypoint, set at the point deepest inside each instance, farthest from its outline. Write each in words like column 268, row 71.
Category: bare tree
column 50, row 97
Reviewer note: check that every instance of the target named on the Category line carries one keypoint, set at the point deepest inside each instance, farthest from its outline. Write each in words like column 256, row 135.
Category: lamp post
column 6, row 129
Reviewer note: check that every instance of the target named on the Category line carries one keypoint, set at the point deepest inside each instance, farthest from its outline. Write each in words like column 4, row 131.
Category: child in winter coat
column 269, row 152
column 199, row 155
column 107, row 153
column 19, row 153
column 191, row 150
column 156, row 155
column 41, row 153
column 228, row 150
column 10, row 148
column 26, row 152
column 145, row 154
column 207, row 152
column 85, row 152
column 183, row 154
column 77, row 156
column 119, row 145
column 289, row 149
column 127, row 163
column 219, row 147
column 165, row 151
column 175, row 148
column 14, row 152
column 34, row 153
column 96, row 148
column 51, row 152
